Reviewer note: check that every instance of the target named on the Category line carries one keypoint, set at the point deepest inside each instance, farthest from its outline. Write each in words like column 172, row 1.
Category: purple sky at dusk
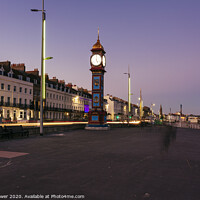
column 159, row 40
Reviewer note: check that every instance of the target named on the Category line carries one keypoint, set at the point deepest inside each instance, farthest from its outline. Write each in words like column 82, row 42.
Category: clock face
column 96, row 59
column 104, row 61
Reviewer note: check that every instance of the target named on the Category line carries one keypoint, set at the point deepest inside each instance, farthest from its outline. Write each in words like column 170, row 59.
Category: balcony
column 47, row 108
column 16, row 105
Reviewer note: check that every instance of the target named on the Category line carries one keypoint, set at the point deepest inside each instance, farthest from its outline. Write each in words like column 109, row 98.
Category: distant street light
column 152, row 104
column 141, row 105
column 129, row 93
column 42, row 84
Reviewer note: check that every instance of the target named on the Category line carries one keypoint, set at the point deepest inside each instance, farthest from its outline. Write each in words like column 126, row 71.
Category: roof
column 98, row 45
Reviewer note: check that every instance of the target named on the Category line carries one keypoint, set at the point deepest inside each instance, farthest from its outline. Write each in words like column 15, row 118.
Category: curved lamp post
column 42, row 83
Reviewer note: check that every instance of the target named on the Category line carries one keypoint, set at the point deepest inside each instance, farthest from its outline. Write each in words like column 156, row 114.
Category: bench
column 4, row 132
column 17, row 130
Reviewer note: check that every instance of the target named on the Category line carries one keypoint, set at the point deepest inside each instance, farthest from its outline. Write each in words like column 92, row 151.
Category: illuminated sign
column 86, row 108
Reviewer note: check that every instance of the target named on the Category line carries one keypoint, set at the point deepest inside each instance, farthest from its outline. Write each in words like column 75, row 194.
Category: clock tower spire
column 98, row 34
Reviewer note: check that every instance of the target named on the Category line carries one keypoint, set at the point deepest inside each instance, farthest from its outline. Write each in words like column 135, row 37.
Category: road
column 121, row 164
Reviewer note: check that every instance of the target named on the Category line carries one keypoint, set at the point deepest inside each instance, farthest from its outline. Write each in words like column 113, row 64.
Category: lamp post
column 141, row 105
column 152, row 104
column 129, row 93
column 42, row 83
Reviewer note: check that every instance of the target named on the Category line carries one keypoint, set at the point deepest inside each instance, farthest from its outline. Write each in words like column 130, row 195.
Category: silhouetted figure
column 169, row 136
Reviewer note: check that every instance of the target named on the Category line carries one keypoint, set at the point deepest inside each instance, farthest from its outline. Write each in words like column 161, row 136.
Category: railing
column 46, row 108
column 17, row 105
column 185, row 125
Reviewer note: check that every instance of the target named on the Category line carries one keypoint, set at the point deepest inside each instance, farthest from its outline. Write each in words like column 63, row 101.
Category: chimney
column 54, row 79
column 35, row 72
column 46, row 76
column 62, row 82
column 69, row 85
column 19, row 67
column 85, row 90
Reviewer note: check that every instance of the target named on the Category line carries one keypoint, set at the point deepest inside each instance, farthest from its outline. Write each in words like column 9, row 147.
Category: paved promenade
column 121, row 164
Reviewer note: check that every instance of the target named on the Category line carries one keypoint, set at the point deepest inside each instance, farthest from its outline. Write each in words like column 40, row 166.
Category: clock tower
column 97, row 116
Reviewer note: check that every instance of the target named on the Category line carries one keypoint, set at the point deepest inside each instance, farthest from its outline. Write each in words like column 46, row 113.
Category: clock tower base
column 97, row 121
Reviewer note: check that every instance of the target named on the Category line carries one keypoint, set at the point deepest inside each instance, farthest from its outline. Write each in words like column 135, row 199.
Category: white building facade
column 16, row 93
column 117, row 109
column 20, row 97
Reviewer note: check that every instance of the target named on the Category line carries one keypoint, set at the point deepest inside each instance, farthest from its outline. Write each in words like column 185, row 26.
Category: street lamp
column 152, row 104
column 141, row 105
column 42, row 84
column 129, row 93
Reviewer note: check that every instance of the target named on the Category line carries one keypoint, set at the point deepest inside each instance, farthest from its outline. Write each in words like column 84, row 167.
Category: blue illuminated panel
column 95, row 118
column 96, row 82
column 96, row 100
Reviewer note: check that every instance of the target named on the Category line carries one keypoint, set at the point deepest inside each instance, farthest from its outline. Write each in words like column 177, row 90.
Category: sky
column 159, row 40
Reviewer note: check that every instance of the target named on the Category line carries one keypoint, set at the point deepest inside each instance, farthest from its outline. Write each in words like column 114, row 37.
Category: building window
column 35, row 81
column 8, row 101
column 20, row 77
column 25, row 90
column 21, row 114
column 14, row 114
column 8, row 87
column 28, row 79
column 50, row 95
column 47, row 94
column 25, row 101
column 14, row 88
column 24, row 114
column 2, row 99
column 30, row 92
column 8, row 113
column 20, row 100
column 2, row 86
column 10, row 74
column 1, row 72
column 20, row 89
column 14, row 101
